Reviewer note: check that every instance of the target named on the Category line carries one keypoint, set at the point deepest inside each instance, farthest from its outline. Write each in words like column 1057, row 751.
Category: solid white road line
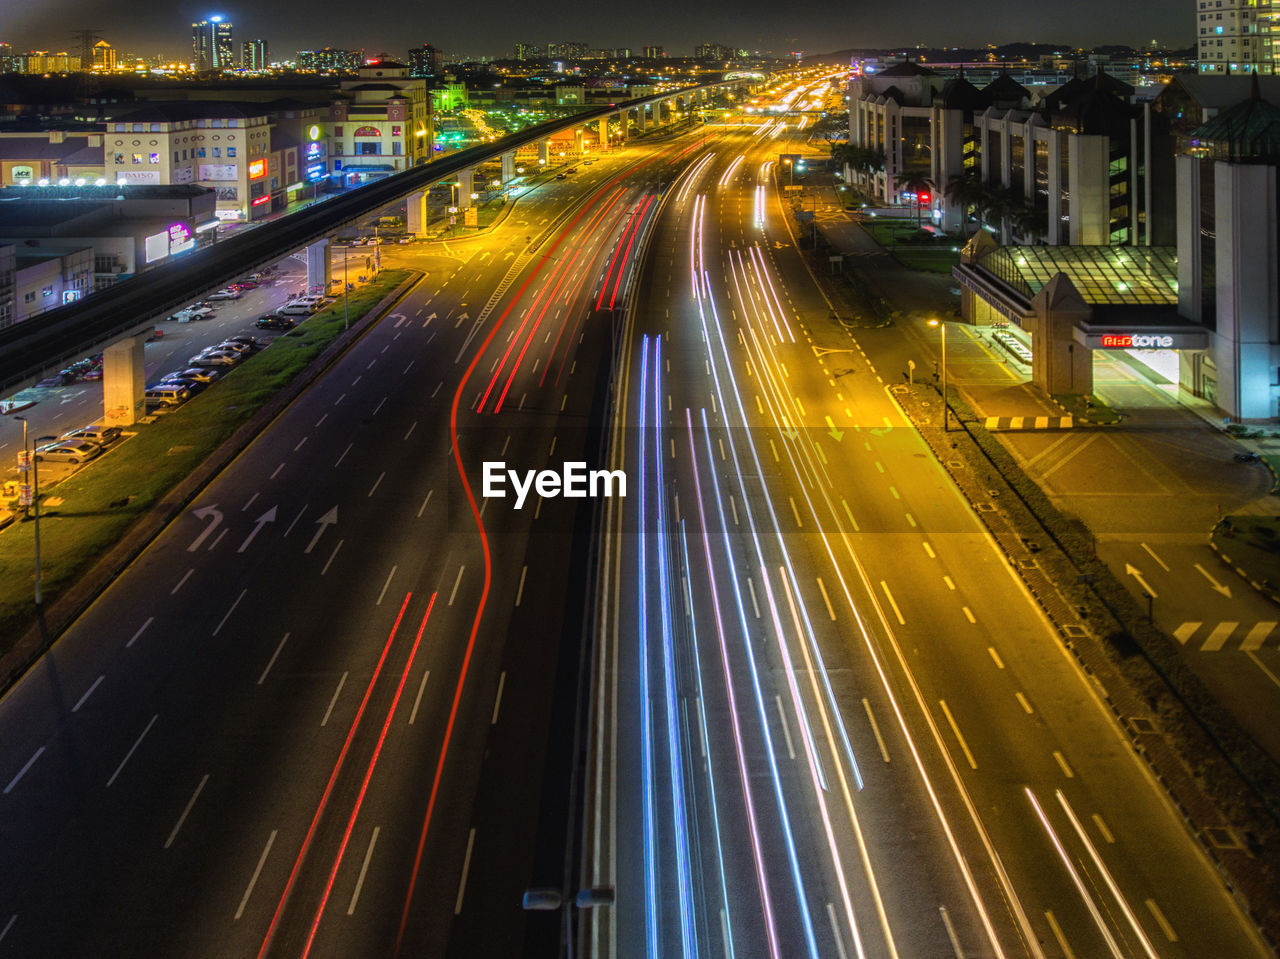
column 364, row 869
column 253, row 881
column 417, row 700
column 466, row 866
column 272, row 661
column 87, row 693
column 23, row 771
column 129, row 754
column 333, row 702
column 186, row 812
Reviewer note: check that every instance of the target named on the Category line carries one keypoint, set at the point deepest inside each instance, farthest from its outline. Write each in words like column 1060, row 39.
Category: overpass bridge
column 113, row 320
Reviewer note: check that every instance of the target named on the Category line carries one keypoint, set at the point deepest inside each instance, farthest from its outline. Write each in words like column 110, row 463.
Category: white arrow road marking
column 1137, row 574
column 205, row 512
column 324, row 522
column 1218, row 587
column 268, row 517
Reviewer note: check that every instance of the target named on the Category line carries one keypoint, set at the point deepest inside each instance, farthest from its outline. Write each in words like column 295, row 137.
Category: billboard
column 257, row 169
column 218, row 172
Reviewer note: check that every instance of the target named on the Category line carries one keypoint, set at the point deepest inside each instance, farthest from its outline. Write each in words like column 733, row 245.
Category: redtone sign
column 1124, row 341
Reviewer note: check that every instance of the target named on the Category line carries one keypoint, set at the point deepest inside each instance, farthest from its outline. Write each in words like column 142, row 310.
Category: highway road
column 843, row 727
column 314, row 717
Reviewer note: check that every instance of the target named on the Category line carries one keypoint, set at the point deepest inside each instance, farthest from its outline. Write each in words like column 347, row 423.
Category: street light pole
column 942, row 332
column 346, row 316
column 33, row 463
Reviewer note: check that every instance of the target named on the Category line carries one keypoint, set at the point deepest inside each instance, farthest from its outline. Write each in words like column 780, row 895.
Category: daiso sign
column 1148, row 341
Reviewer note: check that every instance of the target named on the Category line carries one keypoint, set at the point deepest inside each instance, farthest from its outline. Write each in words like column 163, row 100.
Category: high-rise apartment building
column 253, row 54
column 330, row 60
column 212, row 48
column 1234, row 36
column 713, row 51
column 528, row 51
column 653, row 53
column 566, row 50
column 426, row 61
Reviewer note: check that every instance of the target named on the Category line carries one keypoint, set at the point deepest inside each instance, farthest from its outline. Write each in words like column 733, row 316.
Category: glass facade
column 1138, row 276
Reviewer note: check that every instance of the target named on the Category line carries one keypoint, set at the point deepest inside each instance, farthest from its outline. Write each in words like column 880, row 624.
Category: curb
column 54, row 618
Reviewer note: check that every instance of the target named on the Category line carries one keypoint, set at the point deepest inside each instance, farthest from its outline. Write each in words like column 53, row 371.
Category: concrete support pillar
column 416, row 213
column 124, row 384
column 318, row 267
column 544, row 152
column 1089, row 189
column 602, row 133
column 578, row 137
column 508, row 167
column 624, row 121
column 640, row 116
column 466, row 183
column 1061, row 363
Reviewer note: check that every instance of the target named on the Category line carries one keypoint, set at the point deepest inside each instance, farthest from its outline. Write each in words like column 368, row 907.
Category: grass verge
column 1087, row 409
column 86, row 514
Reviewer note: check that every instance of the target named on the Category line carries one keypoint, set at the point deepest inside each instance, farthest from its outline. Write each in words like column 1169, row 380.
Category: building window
column 337, row 131
column 395, row 131
column 215, row 123
column 175, row 156
column 233, row 123
column 47, row 291
column 137, row 128
column 155, row 128
column 29, row 297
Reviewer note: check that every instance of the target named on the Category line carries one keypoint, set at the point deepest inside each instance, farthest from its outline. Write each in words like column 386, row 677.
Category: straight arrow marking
column 268, row 517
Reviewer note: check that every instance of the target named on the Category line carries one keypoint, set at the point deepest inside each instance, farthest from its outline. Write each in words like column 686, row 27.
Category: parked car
column 192, row 313
column 102, row 435
column 315, row 299
column 214, row 358
column 272, row 321
column 195, row 374
column 245, row 285
column 560, row 176
column 244, row 339
column 192, row 386
column 407, row 238
column 68, row 451
column 168, row 394
column 227, row 346
column 228, row 294
column 297, row 308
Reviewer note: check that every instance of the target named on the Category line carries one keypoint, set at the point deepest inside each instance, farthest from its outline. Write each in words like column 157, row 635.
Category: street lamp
column 942, row 332
column 29, row 455
column 791, row 172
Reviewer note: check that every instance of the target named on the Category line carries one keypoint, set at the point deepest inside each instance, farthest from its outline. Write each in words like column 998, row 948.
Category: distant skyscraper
column 528, row 51
column 653, row 53
column 253, row 54
column 1235, row 37
column 211, row 45
column 426, row 61
column 330, row 60
column 713, row 51
column 566, row 50
column 104, row 57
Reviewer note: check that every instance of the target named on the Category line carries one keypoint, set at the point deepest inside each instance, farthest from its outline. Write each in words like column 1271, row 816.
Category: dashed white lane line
column 272, row 661
column 456, row 583
column 1057, row 934
column 186, row 812
column 344, row 454
column 412, row 427
column 132, row 749
column 968, row 614
column 1022, row 701
column 929, row 549
column 946, row 711
column 330, row 559
column 8, row 925
column 826, row 599
column 277, row 470
column 1161, row 921
column 995, row 657
column 334, row 701
column 383, row 594
column 377, row 482
column 1063, row 765
column 23, row 771
column 950, row 584
column 424, row 503
column 185, row 577
column 141, row 630
column 253, row 880
column 497, row 702
column 524, row 570
column 786, row 728
column 417, row 700
column 222, row 622
column 875, row 728
column 892, row 602
column 364, row 869
column 87, row 693
column 466, row 867
column 1102, row 828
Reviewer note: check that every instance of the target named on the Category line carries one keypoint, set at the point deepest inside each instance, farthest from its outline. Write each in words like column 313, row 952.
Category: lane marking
column 826, row 599
column 132, row 749
column 272, row 661
column 253, row 881
column 333, row 701
column 497, row 702
column 417, row 700
column 456, row 583
column 1102, row 828
column 875, row 728
column 520, row 590
column 973, row 763
column 23, row 771
column 383, row 594
column 1062, row 763
column 1152, row 554
column 1022, row 701
column 892, row 602
column 950, row 584
column 466, row 866
column 376, row 483
column 1218, row 638
column 423, row 507
column 1257, row 635
column 185, row 577
column 186, row 812
column 1057, row 934
column 786, row 728
column 835, row 931
column 364, row 869
column 996, row 657
column 88, row 692
column 929, row 550
column 1161, row 921
column 331, row 556
column 951, row 932
column 12, row 919
column 222, row 622
column 968, row 614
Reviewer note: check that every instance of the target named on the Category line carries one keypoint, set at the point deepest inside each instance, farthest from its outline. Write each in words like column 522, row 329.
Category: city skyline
column 755, row 26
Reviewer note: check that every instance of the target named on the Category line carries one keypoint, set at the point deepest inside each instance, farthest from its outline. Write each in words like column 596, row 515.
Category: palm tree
column 916, row 183
column 965, row 191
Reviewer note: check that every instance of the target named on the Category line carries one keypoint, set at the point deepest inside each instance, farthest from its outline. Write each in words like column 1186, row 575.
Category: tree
column 916, row 183
column 965, row 191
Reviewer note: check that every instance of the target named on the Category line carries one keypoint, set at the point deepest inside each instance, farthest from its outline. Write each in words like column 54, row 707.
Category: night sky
column 153, row 26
